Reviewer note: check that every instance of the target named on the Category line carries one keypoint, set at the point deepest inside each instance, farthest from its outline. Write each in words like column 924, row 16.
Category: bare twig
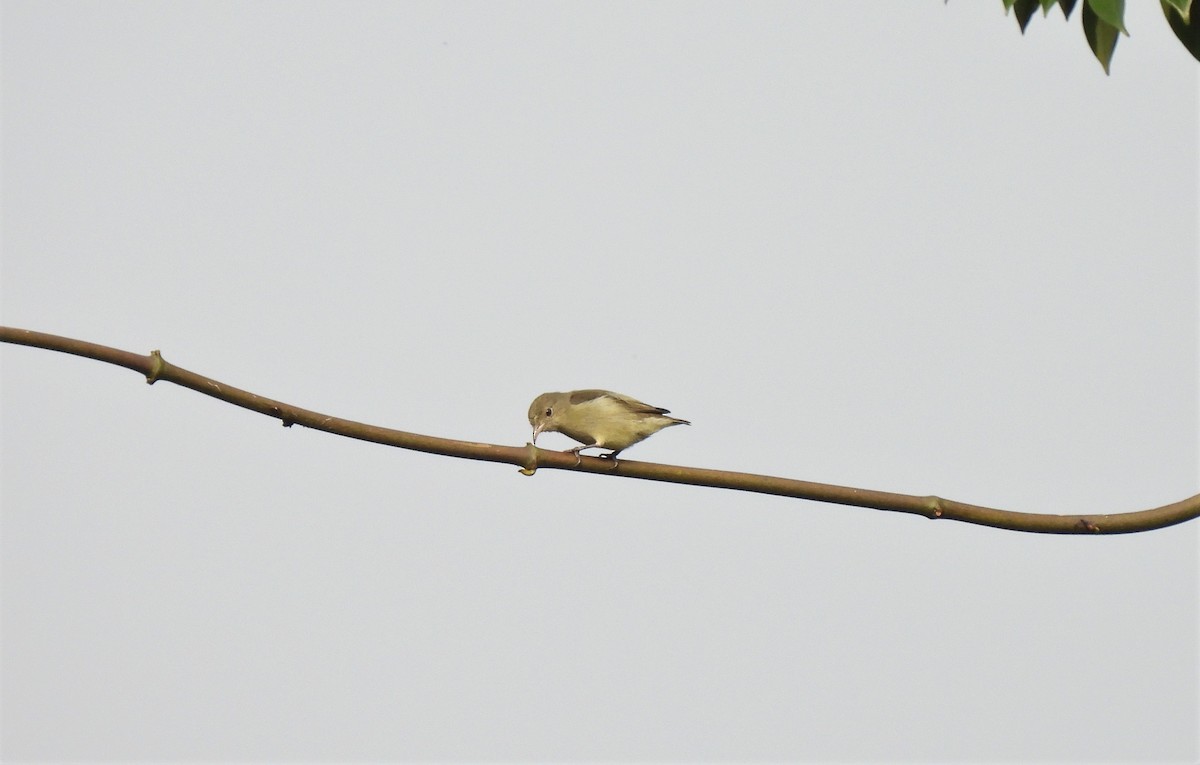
column 154, row 367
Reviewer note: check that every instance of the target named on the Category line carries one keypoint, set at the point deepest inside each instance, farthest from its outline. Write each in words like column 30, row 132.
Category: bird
column 598, row 418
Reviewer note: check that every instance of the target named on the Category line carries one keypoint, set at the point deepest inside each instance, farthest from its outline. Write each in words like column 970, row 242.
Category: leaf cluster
column 1104, row 22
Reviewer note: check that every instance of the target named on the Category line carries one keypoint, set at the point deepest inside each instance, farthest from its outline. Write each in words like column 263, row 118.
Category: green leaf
column 1067, row 6
column 1111, row 11
column 1183, row 7
column 1008, row 4
column 1185, row 28
column 1047, row 5
column 1101, row 35
column 1025, row 9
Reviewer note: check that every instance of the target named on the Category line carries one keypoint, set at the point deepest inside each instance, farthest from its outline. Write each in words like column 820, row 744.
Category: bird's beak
column 536, row 429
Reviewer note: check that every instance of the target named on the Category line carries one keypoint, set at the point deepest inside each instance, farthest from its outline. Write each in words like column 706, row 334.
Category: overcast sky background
column 896, row 246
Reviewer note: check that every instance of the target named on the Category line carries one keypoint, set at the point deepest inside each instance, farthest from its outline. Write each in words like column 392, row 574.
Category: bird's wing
column 632, row 404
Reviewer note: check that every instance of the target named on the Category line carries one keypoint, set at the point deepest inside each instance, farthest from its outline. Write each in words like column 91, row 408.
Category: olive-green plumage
column 598, row 418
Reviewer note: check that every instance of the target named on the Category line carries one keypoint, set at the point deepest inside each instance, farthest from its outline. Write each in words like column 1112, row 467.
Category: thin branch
column 154, row 367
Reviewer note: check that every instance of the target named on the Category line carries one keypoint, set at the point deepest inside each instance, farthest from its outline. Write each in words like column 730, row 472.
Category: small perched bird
column 598, row 418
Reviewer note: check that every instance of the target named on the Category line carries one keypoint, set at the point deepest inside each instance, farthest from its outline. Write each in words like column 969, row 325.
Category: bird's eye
column 549, row 412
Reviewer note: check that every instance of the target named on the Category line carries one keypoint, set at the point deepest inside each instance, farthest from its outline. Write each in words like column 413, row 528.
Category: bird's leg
column 576, row 451
column 611, row 456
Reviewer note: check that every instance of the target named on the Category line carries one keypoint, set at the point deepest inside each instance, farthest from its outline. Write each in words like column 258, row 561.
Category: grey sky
column 903, row 248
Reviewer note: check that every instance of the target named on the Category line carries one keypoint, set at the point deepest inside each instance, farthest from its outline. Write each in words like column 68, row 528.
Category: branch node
column 935, row 507
column 285, row 418
column 157, row 365
column 531, row 464
column 1087, row 525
